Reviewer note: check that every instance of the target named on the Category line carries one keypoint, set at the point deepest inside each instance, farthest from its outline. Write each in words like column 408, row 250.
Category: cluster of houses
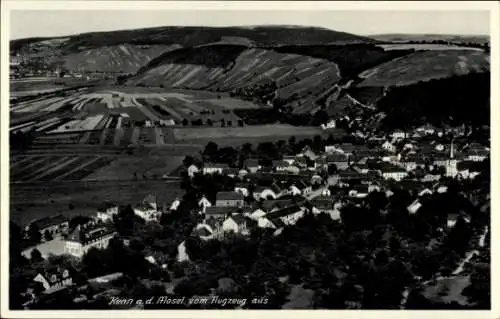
column 278, row 195
column 351, row 171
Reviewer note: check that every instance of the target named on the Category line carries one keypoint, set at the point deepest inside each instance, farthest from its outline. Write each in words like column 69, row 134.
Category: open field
column 416, row 67
column 50, row 167
column 257, row 131
column 140, row 167
column 117, row 108
column 33, row 201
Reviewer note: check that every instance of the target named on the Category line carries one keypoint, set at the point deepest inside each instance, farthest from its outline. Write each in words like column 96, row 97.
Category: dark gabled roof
column 217, row 210
column 45, row 222
column 241, row 185
column 239, row 219
column 278, row 223
column 229, row 196
column 392, row 169
column 284, row 212
column 230, row 170
column 349, row 174
column 280, row 164
column 269, row 205
column 203, row 232
column 57, row 271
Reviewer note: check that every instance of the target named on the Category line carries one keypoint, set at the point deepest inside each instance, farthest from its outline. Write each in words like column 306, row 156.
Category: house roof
column 229, row 196
column 280, row 164
column 269, row 205
column 392, row 169
column 45, row 222
column 238, row 219
column 336, row 158
column 216, row 165
column 349, row 174
column 204, row 232
column 144, row 206
column 88, row 233
column 284, row 212
column 230, row 170
column 217, row 210
column 55, row 274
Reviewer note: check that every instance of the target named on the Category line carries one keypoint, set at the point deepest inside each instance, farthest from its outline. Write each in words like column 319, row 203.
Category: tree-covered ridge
column 454, row 101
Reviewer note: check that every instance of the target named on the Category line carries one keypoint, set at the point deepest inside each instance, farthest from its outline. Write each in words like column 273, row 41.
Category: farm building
column 211, row 168
column 54, row 278
column 229, row 199
column 87, row 236
column 54, row 225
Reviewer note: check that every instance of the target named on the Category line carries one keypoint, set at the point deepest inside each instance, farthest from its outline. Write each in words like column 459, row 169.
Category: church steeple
column 451, row 149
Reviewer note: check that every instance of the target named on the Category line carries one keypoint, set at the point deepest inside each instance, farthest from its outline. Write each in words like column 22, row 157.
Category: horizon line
column 254, row 26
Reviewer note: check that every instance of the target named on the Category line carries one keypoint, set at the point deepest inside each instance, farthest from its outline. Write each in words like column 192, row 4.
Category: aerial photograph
column 249, row 160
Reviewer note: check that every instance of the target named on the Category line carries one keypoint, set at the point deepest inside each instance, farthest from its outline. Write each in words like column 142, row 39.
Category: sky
column 24, row 24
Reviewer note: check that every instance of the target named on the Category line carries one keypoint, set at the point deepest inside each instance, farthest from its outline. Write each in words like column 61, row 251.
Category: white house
column 264, row 222
column 87, row 236
column 256, row 214
column 398, row 134
column 326, row 192
column 395, row 173
column 192, row 170
column 388, row 146
column 241, row 189
column 203, row 203
column 236, row 224
column 106, row 215
column 54, row 279
column 293, row 191
column 414, row 207
column 328, row 125
column 148, row 212
column 211, row 168
column 264, row 193
column 288, row 215
column 182, row 254
column 204, row 231
column 175, row 204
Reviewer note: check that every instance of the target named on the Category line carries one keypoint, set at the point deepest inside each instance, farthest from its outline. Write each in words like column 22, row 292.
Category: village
column 271, row 195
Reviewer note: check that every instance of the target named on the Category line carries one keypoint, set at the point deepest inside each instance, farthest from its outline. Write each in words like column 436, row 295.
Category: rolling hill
column 195, row 36
column 303, row 69
column 424, row 66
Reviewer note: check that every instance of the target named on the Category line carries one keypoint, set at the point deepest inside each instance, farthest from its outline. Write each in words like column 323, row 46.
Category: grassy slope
column 120, row 58
column 424, row 66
